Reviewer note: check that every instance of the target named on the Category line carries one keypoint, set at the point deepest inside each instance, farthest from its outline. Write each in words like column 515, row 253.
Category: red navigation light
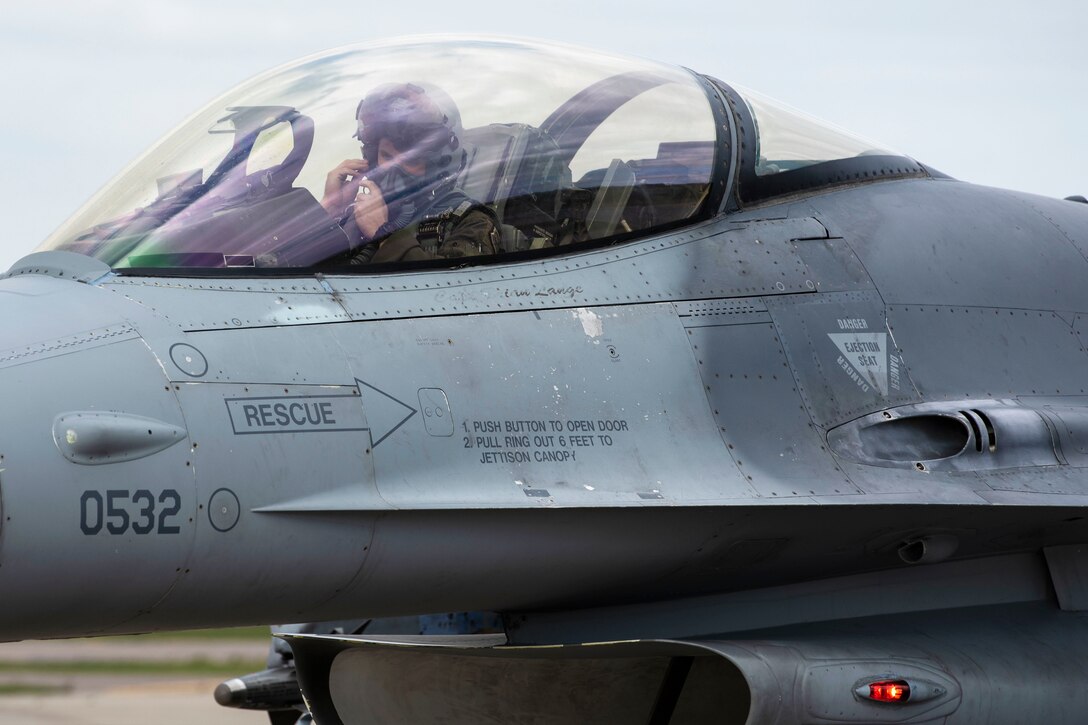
column 889, row 691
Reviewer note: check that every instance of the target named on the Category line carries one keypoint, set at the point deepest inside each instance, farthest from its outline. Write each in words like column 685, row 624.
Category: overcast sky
column 992, row 93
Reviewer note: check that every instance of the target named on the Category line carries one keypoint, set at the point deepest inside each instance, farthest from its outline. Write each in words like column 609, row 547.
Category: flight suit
column 454, row 226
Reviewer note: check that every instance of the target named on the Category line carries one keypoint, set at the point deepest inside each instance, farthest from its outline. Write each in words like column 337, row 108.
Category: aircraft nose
column 86, row 508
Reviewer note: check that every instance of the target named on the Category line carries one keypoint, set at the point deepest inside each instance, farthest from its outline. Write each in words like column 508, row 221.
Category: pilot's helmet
column 421, row 121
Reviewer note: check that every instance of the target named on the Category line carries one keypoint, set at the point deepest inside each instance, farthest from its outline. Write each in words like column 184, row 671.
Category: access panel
column 574, row 407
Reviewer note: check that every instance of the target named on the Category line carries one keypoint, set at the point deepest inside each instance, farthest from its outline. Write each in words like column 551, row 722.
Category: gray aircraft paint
column 712, row 440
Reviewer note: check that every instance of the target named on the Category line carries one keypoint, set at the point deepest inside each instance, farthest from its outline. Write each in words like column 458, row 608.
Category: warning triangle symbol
column 867, row 353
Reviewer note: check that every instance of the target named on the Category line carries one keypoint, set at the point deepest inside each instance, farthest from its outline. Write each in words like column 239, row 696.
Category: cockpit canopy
column 559, row 146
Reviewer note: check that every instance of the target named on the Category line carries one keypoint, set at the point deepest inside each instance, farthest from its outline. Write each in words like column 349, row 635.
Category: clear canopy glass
column 434, row 148
column 789, row 139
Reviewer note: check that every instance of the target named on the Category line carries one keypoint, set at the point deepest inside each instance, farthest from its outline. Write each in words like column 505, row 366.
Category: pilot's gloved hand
column 341, row 185
column 370, row 209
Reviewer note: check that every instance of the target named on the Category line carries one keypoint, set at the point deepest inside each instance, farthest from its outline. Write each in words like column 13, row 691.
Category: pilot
column 398, row 203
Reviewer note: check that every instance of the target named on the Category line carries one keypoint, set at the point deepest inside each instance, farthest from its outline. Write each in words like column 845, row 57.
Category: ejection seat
column 518, row 171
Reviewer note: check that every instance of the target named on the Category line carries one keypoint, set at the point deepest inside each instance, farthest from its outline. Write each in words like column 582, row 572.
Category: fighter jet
column 560, row 387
